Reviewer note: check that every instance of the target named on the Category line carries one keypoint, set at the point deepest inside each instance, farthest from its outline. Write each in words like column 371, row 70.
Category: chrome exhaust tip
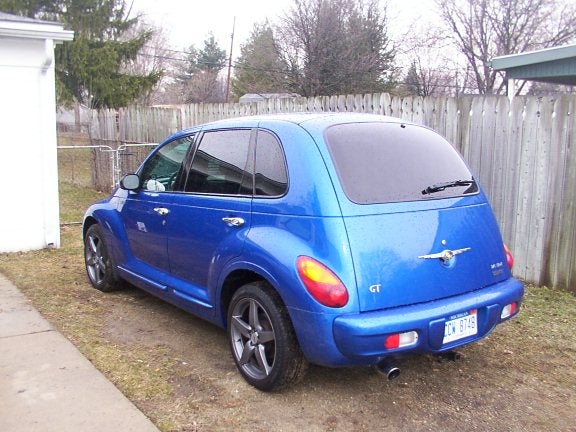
column 390, row 371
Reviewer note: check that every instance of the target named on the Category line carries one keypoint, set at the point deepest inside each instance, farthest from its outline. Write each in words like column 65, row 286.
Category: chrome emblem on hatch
column 445, row 255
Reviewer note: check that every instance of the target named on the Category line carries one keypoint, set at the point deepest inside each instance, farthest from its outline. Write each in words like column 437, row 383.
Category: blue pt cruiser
column 335, row 239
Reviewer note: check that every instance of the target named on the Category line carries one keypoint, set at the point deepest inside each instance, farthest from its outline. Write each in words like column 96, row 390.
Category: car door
column 146, row 211
column 210, row 219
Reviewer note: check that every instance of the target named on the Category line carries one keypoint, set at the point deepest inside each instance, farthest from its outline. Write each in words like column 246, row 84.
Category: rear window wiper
column 441, row 186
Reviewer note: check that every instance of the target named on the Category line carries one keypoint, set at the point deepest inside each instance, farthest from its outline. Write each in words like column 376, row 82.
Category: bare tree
column 432, row 71
column 544, row 89
column 204, row 86
column 483, row 29
column 422, row 80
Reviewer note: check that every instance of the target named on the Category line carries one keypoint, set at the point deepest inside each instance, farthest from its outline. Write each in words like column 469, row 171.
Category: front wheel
column 262, row 339
column 98, row 262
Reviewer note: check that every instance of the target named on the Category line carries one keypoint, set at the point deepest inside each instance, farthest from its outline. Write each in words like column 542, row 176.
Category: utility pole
column 230, row 62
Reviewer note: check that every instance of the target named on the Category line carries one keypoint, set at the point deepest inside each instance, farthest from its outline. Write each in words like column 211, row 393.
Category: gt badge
column 374, row 288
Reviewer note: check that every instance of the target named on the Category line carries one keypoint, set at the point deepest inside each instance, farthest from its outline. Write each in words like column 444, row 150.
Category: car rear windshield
column 394, row 162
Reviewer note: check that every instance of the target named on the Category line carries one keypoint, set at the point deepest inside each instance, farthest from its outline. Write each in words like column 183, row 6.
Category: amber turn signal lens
column 322, row 283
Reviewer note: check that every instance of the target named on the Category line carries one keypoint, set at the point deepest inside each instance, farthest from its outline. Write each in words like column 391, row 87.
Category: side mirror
column 130, row 182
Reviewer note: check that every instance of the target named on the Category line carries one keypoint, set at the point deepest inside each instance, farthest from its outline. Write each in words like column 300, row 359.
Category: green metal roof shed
column 551, row 65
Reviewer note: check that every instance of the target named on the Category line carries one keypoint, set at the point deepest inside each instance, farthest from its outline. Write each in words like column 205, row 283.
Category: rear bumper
column 360, row 337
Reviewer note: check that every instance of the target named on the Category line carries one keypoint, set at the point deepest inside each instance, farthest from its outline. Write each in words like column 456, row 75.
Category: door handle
column 233, row 221
column 161, row 211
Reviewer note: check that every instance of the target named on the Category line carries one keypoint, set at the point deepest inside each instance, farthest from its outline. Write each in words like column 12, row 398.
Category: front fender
column 105, row 214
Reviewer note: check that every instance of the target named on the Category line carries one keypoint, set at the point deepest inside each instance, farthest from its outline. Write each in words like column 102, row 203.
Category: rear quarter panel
column 305, row 221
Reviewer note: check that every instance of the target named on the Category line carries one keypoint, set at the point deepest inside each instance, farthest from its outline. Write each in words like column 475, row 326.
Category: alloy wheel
column 95, row 260
column 253, row 338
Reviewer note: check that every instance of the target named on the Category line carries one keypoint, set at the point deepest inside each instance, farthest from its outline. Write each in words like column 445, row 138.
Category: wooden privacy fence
column 523, row 152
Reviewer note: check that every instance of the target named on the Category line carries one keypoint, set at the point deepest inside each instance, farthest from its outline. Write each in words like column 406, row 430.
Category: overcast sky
column 188, row 22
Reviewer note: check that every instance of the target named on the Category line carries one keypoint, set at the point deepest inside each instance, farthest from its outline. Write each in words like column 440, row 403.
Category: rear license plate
column 460, row 327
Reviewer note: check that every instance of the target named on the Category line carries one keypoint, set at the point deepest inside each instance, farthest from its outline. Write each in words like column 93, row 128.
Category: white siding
column 29, row 217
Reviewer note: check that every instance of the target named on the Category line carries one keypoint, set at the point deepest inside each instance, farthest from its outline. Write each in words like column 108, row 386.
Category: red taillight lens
column 401, row 340
column 322, row 283
column 509, row 257
column 392, row 341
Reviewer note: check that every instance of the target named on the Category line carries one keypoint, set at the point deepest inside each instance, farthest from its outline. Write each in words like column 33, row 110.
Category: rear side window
column 220, row 165
column 271, row 178
column 393, row 162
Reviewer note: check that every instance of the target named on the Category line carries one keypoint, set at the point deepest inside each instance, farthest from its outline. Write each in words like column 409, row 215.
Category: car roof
column 317, row 119
column 302, row 118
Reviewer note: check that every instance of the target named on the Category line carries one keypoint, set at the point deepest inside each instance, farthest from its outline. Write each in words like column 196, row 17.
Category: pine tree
column 259, row 68
column 90, row 68
column 211, row 58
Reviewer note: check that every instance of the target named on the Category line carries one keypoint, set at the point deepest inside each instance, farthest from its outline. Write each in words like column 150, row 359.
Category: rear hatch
column 400, row 258
column 419, row 227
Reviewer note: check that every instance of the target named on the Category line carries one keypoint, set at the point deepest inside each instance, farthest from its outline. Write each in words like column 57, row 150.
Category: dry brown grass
column 178, row 371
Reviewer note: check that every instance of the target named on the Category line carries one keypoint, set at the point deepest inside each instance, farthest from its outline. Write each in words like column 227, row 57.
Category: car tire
column 262, row 339
column 98, row 263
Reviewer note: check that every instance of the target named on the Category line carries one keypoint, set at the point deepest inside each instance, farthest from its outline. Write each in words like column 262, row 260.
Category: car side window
column 271, row 178
column 160, row 172
column 221, row 164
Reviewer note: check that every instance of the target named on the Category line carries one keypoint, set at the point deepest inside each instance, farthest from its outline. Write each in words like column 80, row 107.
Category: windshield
column 393, row 162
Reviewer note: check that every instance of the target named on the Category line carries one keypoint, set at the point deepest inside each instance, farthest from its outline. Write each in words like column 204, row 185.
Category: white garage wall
column 29, row 217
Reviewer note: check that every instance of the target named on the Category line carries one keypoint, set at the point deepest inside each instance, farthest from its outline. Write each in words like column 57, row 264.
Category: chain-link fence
column 96, row 163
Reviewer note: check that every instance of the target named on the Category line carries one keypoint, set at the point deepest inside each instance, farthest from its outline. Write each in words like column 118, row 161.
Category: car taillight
column 509, row 310
column 322, row 283
column 509, row 257
column 400, row 340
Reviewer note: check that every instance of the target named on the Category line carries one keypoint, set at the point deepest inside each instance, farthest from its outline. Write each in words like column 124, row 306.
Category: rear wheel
column 98, row 262
column 262, row 339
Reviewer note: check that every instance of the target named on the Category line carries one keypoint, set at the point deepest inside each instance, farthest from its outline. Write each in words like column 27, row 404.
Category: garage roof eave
column 15, row 26
column 55, row 35
column 533, row 57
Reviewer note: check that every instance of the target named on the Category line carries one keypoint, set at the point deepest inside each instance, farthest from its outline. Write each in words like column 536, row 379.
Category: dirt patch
column 495, row 386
